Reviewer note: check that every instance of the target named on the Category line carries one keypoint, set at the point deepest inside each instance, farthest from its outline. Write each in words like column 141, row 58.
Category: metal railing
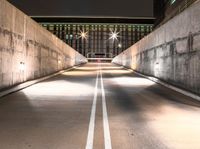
column 96, row 55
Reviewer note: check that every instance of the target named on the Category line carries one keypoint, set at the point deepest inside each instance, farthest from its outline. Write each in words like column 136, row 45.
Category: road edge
column 158, row 81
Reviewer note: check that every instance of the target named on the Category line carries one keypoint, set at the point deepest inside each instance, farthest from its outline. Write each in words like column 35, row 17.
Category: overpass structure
column 52, row 97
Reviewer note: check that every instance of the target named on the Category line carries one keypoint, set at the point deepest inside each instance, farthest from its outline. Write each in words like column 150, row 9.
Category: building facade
column 98, row 41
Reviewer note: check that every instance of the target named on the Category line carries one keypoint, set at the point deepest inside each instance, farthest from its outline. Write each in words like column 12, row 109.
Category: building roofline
column 94, row 19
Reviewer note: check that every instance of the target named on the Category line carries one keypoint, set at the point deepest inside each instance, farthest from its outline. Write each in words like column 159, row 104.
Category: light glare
column 59, row 88
column 114, row 35
column 83, row 34
column 129, row 81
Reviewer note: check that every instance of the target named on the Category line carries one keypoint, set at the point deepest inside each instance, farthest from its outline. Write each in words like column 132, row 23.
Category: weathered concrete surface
column 24, row 41
column 171, row 52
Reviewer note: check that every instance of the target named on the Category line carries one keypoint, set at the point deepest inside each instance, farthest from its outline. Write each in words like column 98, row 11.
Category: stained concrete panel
column 182, row 46
column 170, row 53
column 27, row 50
column 196, row 43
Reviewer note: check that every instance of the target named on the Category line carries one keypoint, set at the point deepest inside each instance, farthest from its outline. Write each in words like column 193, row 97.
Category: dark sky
column 109, row 8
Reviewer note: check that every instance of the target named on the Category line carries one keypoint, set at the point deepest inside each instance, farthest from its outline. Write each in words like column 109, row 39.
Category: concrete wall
column 24, row 41
column 171, row 52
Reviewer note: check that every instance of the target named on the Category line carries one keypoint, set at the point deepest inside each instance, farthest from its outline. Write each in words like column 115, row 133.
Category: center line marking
column 90, row 136
column 107, row 140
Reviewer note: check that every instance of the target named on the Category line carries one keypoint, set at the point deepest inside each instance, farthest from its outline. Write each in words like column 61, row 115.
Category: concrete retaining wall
column 171, row 52
column 27, row 51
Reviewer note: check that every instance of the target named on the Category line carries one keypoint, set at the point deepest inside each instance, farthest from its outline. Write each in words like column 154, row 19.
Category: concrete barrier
column 171, row 52
column 28, row 51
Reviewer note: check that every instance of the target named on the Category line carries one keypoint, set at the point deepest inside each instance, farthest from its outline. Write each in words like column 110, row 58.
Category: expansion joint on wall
column 190, row 42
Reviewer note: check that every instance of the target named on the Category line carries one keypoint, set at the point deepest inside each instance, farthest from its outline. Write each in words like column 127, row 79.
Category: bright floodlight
column 114, row 35
column 119, row 45
column 83, row 35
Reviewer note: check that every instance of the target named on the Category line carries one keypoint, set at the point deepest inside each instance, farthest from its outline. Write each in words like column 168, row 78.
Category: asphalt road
column 99, row 106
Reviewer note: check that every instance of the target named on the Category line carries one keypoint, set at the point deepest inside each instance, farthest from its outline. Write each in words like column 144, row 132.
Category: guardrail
column 100, row 59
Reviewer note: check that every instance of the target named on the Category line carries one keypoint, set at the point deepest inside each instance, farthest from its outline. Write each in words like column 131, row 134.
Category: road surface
column 99, row 106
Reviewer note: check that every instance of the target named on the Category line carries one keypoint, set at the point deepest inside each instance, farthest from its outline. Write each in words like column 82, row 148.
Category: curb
column 30, row 83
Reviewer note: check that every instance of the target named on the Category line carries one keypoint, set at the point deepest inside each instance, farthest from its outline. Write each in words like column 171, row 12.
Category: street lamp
column 83, row 35
column 114, row 35
column 119, row 45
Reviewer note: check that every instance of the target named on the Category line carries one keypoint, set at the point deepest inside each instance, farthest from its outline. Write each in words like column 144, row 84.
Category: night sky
column 109, row 8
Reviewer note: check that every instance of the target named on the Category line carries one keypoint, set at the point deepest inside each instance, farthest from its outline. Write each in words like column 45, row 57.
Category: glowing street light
column 83, row 35
column 119, row 45
column 114, row 35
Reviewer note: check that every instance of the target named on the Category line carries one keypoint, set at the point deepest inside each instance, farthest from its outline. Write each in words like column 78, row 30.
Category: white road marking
column 107, row 140
column 90, row 138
